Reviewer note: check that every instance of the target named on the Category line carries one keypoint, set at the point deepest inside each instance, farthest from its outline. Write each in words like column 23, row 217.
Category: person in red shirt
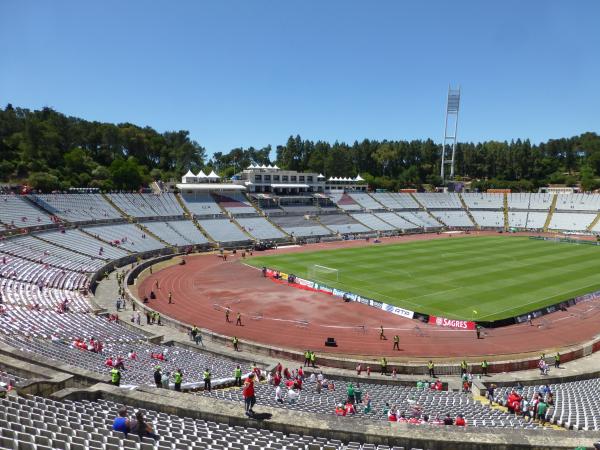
column 248, row 394
column 340, row 410
column 286, row 373
column 277, row 379
column 460, row 421
column 350, row 409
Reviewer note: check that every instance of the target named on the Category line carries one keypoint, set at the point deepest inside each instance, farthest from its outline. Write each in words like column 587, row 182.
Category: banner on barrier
column 398, row 311
column 452, row 323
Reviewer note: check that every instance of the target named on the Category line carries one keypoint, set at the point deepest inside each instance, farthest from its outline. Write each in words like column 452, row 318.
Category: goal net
column 323, row 273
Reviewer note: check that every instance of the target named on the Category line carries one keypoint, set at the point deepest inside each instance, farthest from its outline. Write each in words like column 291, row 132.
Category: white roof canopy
column 189, row 174
column 201, row 174
column 359, row 178
column 212, row 174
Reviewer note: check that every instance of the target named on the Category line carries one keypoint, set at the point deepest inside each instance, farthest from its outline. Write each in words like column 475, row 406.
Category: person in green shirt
column 235, row 342
column 313, row 358
column 358, row 393
column 206, row 377
column 178, row 378
column 542, row 407
column 350, row 392
column 237, row 374
column 484, row 367
column 431, row 369
column 115, row 376
column 557, row 361
column 306, row 358
column 463, row 367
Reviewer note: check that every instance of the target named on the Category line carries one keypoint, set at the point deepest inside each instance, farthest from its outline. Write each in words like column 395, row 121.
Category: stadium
column 194, row 255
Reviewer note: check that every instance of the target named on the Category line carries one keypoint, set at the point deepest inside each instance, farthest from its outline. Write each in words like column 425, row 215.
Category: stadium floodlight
column 451, row 123
column 323, row 273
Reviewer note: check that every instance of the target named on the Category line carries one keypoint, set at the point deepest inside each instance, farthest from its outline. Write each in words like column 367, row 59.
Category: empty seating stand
column 343, row 224
column 126, row 236
column 77, row 207
column 18, row 212
column 234, row 202
column 345, row 202
column 260, row 228
column 179, row 232
column 300, row 226
column 223, row 230
column 201, row 204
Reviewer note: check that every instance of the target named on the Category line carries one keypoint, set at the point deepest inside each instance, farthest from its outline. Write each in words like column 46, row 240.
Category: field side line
column 541, row 300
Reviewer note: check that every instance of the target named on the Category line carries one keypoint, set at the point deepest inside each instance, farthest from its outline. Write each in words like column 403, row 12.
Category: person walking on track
column 396, row 343
column 238, row 322
column 381, row 334
column 227, row 315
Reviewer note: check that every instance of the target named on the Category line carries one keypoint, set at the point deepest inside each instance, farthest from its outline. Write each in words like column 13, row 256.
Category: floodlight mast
column 452, row 107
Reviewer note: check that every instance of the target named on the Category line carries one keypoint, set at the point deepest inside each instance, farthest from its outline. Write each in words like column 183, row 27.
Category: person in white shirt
column 279, row 394
column 293, row 396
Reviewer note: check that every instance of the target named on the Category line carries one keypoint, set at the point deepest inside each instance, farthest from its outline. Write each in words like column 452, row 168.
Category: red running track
column 282, row 316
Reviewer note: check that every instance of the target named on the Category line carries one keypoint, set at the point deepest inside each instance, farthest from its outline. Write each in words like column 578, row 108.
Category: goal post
column 323, row 273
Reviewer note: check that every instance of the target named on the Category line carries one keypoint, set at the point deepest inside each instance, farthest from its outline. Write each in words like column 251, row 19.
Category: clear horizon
column 237, row 74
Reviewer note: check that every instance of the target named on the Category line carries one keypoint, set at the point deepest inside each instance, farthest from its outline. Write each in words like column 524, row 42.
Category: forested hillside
column 49, row 150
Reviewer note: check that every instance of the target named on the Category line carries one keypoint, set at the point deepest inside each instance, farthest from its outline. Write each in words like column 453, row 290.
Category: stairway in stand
column 464, row 205
column 552, row 208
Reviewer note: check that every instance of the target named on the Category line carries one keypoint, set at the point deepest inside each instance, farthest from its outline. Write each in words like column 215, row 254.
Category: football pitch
column 468, row 278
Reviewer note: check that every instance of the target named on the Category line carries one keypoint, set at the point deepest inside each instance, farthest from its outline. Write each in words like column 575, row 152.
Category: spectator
column 358, row 393
column 448, row 420
column 350, row 409
column 142, row 428
column 158, row 377
column 165, row 379
column 121, row 422
column 542, row 407
column 460, row 421
column 340, row 410
column 279, row 394
column 350, row 392
column 293, row 395
column 249, row 395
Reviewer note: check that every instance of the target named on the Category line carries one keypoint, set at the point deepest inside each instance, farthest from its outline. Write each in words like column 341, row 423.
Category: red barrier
column 452, row 323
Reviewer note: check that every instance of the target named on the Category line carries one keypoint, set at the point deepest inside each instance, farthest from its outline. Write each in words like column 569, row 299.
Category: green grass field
column 498, row 276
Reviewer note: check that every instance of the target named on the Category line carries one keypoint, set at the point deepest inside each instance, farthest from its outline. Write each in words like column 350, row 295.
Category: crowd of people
column 535, row 407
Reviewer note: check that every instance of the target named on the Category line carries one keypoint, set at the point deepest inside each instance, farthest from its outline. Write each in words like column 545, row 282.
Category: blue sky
column 242, row 73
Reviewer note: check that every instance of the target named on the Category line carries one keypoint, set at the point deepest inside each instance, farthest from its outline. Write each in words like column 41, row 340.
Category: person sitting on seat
column 142, row 428
column 460, row 421
column 340, row 410
column 121, row 422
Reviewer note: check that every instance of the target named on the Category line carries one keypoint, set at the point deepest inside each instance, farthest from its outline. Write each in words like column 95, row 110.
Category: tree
column 44, row 182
